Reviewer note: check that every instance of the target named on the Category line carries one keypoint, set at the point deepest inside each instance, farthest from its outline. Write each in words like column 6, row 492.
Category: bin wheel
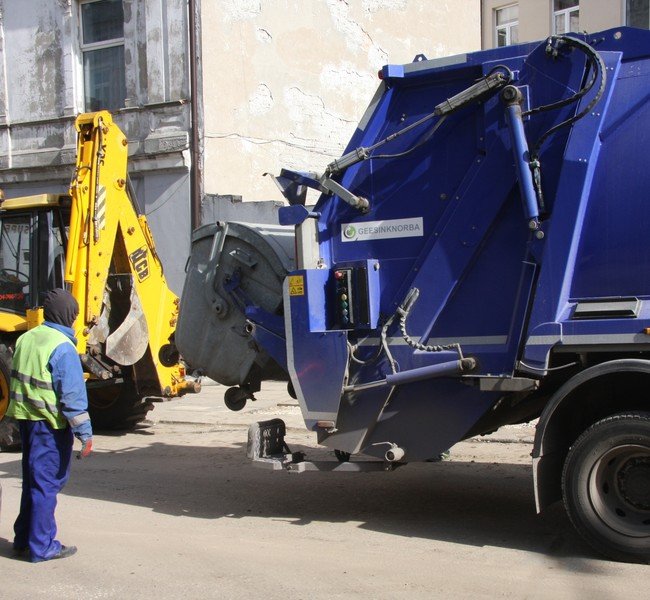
column 235, row 398
column 606, row 486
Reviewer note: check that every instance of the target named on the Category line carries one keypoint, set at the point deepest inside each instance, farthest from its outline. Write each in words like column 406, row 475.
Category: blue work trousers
column 46, row 467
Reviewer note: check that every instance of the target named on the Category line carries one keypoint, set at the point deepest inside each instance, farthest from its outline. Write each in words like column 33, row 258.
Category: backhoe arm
column 126, row 309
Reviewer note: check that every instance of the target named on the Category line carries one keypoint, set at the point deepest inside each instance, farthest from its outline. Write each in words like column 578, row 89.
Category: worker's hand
column 86, row 448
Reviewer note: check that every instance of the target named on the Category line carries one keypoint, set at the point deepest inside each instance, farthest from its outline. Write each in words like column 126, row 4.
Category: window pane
column 103, row 20
column 562, row 4
column 574, row 20
column 502, row 40
column 104, row 79
column 60, row 228
column 638, row 14
column 14, row 263
column 559, row 24
column 507, row 15
column 514, row 34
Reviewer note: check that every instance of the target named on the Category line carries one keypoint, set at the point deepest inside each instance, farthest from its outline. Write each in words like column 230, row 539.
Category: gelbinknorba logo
column 350, row 232
column 381, row 230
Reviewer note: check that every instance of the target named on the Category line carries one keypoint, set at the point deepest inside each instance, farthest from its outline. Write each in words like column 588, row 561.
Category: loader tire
column 117, row 408
column 9, row 434
column 606, row 486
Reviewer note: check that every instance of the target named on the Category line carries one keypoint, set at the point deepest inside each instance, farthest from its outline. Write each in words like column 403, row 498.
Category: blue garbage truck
column 479, row 256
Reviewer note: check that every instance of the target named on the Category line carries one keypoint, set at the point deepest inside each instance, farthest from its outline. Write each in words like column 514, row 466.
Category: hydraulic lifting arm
column 127, row 313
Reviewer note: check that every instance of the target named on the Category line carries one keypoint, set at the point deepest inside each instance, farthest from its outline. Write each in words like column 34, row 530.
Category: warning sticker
column 296, row 285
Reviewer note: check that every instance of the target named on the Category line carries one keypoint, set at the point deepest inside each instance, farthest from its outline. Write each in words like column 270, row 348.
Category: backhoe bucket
column 122, row 324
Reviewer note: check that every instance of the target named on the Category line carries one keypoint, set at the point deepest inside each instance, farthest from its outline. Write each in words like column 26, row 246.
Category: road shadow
column 473, row 503
column 6, row 548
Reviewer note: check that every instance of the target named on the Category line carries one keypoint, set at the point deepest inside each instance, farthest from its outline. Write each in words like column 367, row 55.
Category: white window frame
column 507, row 27
column 88, row 47
column 565, row 13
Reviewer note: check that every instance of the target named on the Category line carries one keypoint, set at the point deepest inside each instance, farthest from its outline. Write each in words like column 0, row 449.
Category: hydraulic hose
column 595, row 65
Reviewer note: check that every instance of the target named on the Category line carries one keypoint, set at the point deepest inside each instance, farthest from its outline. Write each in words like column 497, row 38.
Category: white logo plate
column 381, row 230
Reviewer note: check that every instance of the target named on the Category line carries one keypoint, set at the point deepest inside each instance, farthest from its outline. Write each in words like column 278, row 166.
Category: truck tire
column 117, row 408
column 606, row 486
column 9, row 434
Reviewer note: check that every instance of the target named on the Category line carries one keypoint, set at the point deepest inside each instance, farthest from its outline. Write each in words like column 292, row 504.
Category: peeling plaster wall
column 33, row 57
column 41, row 92
column 286, row 81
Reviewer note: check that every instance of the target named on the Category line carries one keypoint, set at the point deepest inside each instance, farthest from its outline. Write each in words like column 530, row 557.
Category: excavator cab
column 33, row 238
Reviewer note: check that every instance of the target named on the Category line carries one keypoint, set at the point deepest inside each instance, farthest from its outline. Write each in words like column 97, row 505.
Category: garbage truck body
column 477, row 257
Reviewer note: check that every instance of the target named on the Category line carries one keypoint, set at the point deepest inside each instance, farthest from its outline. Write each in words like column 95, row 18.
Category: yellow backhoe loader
column 95, row 243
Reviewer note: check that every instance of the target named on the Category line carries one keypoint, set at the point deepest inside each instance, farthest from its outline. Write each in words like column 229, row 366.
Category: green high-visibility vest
column 31, row 392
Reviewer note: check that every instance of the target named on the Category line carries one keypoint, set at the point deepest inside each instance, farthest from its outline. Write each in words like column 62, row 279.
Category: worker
column 49, row 402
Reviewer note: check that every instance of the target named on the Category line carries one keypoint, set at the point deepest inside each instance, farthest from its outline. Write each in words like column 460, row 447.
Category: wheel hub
column 634, row 482
column 619, row 489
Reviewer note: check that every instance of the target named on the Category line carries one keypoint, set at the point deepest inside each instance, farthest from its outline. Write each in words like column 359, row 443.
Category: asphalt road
column 176, row 511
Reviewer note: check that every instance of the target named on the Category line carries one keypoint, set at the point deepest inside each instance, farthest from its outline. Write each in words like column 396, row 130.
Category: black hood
column 60, row 307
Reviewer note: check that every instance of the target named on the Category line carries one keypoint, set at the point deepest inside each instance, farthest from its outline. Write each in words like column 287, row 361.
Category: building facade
column 59, row 58
column 506, row 22
column 277, row 83
column 211, row 94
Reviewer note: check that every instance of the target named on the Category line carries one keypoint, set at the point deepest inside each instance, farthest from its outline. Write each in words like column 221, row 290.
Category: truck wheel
column 9, row 434
column 606, row 486
column 117, row 407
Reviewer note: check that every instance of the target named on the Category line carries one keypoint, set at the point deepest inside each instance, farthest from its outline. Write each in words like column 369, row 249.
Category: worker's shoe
column 63, row 553
column 66, row 551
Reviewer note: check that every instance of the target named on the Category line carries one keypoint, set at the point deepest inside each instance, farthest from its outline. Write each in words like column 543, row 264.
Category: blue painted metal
column 295, row 214
column 318, row 356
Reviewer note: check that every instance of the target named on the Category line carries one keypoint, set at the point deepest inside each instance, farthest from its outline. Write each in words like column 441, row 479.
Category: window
column 53, row 230
column 638, row 13
column 566, row 16
column 15, row 246
column 102, row 47
column 507, row 25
